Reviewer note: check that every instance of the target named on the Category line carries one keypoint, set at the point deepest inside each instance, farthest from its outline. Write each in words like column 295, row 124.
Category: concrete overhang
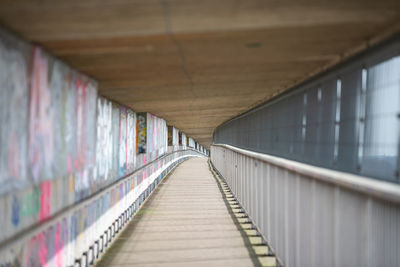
column 198, row 63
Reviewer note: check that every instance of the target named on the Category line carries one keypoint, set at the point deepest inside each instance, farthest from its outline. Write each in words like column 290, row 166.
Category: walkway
column 186, row 222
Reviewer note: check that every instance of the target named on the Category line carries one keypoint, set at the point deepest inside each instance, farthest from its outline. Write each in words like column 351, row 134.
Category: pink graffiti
column 122, row 141
column 43, row 252
column 58, row 246
column 40, row 118
column 45, row 200
column 29, row 260
column 80, row 111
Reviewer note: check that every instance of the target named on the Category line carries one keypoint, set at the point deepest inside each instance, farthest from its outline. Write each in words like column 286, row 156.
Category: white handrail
column 370, row 186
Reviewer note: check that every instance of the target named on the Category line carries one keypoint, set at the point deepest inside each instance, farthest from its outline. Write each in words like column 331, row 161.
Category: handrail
column 48, row 221
column 379, row 189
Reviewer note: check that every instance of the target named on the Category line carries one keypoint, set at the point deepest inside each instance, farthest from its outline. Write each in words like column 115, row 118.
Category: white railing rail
column 313, row 216
column 80, row 234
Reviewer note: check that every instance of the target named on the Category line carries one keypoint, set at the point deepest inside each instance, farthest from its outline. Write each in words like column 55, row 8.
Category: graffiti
column 131, row 137
column 13, row 114
column 191, row 142
column 61, row 144
column 122, row 142
column 173, row 136
column 40, row 119
column 150, row 132
column 104, row 139
column 69, row 123
column 184, row 140
column 30, row 203
column 142, row 130
column 58, row 84
column 115, row 136
column 170, row 135
column 90, row 125
column 45, row 200
column 80, row 108
column 65, row 239
column 157, row 135
column 15, row 211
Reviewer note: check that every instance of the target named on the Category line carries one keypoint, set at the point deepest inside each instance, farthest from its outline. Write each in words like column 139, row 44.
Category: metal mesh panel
column 381, row 120
column 347, row 120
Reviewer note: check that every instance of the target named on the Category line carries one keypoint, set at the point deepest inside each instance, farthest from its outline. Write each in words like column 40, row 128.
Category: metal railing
column 313, row 216
column 79, row 234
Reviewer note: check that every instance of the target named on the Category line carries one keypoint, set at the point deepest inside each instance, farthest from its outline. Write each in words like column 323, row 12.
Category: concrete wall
column 182, row 139
column 59, row 144
column 173, row 136
column 191, row 142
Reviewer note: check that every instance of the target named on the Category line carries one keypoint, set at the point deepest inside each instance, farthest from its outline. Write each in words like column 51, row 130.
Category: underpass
column 199, row 133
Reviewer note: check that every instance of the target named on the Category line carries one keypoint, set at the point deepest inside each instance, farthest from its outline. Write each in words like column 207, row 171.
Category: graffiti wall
column 170, row 141
column 141, row 132
column 13, row 113
column 182, row 139
column 72, row 234
column 123, row 121
column 104, row 146
column 59, row 141
column 173, row 136
column 191, row 143
column 48, row 134
column 127, row 137
column 131, row 141
column 157, row 135
column 152, row 135
column 59, row 144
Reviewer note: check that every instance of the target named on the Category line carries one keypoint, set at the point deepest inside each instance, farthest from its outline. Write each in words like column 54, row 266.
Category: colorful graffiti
column 62, row 143
column 63, row 241
column 131, row 137
column 116, row 131
column 49, row 140
column 104, row 139
column 170, row 135
column 122, row 141
column 41, row 139
column 141, row 132
column 173, row 137
column 13, row 113
column 157, row 135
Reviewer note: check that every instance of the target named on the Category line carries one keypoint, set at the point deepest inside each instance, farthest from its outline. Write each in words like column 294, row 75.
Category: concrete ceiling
column 197, row 63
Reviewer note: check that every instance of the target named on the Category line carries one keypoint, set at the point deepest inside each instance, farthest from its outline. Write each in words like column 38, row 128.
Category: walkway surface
column 185, row 222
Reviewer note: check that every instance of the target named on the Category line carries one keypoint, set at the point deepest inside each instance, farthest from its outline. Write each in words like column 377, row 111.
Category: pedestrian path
column 187, row 221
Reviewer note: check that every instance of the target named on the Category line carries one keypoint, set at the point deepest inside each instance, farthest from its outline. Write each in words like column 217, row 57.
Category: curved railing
column 313, row 216
column 79, row 233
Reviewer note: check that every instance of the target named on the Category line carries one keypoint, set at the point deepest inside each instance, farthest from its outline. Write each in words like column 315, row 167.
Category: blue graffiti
column 15, row 211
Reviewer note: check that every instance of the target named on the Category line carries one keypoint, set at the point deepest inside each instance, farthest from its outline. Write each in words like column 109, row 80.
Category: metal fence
column 347, row 119
column 81, row 233
column 314, row 216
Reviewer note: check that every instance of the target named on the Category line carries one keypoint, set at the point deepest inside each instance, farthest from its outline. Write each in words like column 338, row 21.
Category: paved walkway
column 185, row 222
